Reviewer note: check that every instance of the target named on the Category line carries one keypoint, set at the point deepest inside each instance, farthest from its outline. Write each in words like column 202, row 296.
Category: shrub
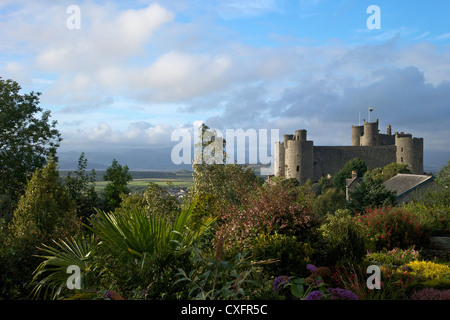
column 428, row 269
column 394, row 285
column 393, row 257
column 345, row 236
column 431, row 216
column 394, row 228
column 370, row 193
column 224, row 279
column 328, row 202
column 272, row 208
column 430, row 294
column 46, row 206
column 291, row 255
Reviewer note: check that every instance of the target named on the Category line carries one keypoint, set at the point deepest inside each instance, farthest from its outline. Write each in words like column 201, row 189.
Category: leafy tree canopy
column 370, row 193
column 27, row 137
column 356, row 164
column 118, row 177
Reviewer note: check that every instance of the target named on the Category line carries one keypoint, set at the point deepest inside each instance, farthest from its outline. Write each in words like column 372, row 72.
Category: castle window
column 298, row 168
column 402, row 149
column 401, row 159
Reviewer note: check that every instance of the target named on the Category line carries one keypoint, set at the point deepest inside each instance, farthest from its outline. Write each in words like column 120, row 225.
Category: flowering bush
column 395, row 256
column 314, row 287
column 430, row 294
column 394, row 284
column 394, row 228
column 272, row 208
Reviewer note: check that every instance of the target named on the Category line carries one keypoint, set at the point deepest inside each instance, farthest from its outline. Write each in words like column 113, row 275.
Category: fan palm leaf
column 52, row 274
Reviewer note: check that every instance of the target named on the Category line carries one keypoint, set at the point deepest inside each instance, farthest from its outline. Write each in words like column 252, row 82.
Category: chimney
column 354, row 174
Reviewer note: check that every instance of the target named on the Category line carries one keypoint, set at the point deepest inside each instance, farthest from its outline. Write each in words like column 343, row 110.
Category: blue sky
column 137, row 70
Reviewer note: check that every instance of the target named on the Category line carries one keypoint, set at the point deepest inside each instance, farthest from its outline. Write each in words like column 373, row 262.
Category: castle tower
column 357, row 132
column 370, row 137
column 279, row 160
column 299, row 157
column 410, row 151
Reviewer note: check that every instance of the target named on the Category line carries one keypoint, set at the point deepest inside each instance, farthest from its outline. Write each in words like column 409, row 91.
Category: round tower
column 299, row 160
column 279, row 160
column 410, row 151
column 357, row 132
column 370, row 137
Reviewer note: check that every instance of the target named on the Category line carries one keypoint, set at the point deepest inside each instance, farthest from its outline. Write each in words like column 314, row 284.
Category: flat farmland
column 141, row 179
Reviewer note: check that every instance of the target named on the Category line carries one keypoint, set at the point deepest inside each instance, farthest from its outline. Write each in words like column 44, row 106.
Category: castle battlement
column 296, row 157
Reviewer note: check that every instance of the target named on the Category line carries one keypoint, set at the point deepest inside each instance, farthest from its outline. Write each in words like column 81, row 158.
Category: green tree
column 27, row 138
column 370, row 193
column 223, row 182
column 81, row 187
column 118, row 177
column 323, row 184
column 155, row 199
column 328, row 202
column 356, row 164
column 390, row 170
column 443, row 176
column 46, row 207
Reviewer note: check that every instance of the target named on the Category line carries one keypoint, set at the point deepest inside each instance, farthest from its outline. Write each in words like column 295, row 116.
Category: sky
column 123, row 75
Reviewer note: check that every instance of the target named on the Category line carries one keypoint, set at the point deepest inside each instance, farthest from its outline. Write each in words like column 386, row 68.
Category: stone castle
column 296, row 157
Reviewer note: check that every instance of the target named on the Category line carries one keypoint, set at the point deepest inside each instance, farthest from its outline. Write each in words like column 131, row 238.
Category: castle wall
column 386, row 139
column 331, row 159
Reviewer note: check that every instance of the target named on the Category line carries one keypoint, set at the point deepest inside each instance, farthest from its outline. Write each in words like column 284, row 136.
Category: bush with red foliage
column 393, row 227
column 272, row 208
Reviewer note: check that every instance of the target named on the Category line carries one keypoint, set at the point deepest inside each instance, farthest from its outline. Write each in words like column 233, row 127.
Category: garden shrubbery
column 233, row 237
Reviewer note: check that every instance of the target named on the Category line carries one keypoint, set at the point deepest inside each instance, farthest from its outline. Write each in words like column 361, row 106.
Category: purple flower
column 314, row 295
column 311, row 268
column 280, row 281
column 108, row 295
column 342, row 294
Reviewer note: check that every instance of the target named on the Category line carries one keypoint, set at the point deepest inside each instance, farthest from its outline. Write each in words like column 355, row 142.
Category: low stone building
column 408, row 186
column 351, row 184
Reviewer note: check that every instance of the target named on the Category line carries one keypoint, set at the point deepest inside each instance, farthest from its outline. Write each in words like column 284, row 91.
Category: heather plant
column 430, row 294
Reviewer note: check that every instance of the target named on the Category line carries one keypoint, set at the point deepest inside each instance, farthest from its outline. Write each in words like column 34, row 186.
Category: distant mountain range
column 135, row 159
column 160, row 159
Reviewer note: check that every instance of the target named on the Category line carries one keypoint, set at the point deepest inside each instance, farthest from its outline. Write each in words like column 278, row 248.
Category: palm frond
column 51, row 275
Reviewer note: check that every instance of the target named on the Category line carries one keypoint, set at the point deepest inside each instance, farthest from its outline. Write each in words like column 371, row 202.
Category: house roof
column 404, row 183
column 349, row 182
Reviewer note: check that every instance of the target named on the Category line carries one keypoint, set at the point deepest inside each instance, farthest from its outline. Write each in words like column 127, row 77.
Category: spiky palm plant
column 138, row 233
column 52, row 274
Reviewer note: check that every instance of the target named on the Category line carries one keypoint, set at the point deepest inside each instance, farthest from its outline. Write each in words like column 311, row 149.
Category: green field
column 141, row 179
